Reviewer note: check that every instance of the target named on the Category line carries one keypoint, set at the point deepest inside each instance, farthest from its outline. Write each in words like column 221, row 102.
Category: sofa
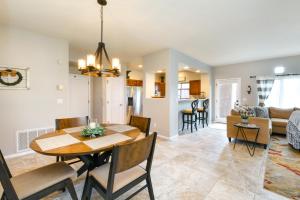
column 275, row 122
column 279, row 118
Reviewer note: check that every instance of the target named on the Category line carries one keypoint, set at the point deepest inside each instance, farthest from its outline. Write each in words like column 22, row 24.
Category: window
column 184, row 90
column 285, row 93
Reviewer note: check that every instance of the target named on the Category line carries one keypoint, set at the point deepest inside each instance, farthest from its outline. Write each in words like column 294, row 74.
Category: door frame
column 239, row 81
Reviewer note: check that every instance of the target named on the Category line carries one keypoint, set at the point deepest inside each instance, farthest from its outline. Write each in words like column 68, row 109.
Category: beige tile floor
column 202, row 165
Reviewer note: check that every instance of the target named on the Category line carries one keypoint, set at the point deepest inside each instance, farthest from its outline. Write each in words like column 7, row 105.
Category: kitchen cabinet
column 195, row 87
column 161, row 88
column 132, row 82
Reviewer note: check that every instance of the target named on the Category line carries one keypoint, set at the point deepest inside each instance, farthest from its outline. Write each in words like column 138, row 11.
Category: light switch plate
column 59, row 101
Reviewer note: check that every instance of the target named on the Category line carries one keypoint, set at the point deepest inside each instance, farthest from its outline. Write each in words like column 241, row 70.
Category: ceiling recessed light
column 140, row 66
column 279, row 70
column 197, row 71
column 159, row 71
column 186, row 67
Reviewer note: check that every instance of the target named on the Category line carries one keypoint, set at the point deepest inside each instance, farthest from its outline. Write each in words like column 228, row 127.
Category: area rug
column 282, row 173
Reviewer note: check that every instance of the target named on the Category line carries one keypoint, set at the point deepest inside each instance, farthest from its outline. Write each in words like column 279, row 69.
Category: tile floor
column 195, row 166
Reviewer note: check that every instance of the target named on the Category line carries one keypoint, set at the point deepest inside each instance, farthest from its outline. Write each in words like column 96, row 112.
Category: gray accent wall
column 48, row 59
column 258, row 68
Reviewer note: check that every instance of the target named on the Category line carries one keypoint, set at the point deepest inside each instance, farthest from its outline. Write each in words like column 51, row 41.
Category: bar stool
column 191, row 116
column 203, row 112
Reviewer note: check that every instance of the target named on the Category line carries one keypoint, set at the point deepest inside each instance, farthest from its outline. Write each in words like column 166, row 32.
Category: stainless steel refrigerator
column 134, row 101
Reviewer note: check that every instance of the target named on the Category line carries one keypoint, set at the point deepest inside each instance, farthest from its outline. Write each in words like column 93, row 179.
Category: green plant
column 89, row 132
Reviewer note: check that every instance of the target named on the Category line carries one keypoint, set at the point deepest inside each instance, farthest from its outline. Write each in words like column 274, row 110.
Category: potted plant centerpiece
column 92, row 130
column 245, row 113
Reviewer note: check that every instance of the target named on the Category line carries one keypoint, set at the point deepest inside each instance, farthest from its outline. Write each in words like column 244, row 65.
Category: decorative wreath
column 12, row 73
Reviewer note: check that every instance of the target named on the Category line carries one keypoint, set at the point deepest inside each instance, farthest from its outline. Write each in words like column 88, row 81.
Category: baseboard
column 19, row 154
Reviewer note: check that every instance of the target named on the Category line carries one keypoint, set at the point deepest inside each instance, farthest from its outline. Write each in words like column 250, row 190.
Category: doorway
column 228, row 93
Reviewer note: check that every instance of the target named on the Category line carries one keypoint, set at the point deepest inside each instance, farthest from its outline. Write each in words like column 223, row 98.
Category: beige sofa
column 280, row 118
column 276, row 123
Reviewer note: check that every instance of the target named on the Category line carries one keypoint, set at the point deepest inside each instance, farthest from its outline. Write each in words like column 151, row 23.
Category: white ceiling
column 217, row 32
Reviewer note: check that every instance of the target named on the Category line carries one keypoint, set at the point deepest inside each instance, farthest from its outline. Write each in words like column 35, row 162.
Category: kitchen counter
column 188, row 100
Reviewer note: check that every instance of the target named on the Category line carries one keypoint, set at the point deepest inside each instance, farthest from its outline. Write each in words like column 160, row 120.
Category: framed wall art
column 14, row 78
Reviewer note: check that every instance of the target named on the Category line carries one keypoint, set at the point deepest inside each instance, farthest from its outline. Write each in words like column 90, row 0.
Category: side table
column 241, row 130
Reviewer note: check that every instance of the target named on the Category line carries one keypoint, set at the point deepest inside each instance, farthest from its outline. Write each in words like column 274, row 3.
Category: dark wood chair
column 142, row 123
column 203, row 112
column 38, row 183
column 64, row 123
column 123, row 173
column 191, row 116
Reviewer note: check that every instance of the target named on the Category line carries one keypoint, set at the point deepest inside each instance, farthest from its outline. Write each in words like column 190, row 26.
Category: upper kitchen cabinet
column 195, row 87
column 132, row 82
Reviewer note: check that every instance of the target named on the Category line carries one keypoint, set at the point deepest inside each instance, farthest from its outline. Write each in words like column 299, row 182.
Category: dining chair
column 123, row 172
column 64, row 123
column 189, row 116
column 142, row 123
column 38, row 183
column 203, row 113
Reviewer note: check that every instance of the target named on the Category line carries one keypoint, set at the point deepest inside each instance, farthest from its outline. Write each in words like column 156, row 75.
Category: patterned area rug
column 283, row 169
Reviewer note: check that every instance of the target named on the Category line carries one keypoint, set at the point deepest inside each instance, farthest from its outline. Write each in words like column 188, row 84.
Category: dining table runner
column 74, row 130
column 120, row 128
column 56, row 142
column 107, row 140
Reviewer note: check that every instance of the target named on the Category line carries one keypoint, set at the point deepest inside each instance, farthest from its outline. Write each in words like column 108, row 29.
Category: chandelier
column 93, row 65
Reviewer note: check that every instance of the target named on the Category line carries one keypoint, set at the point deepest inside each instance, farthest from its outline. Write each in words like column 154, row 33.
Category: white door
column 79, row 95
column 228, row 92
column 115, row 100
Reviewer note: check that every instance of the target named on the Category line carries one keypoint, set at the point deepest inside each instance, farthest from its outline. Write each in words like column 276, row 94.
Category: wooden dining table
column 91, row 157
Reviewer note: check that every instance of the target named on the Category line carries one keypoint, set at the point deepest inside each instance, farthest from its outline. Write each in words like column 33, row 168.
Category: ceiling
column 213, row 31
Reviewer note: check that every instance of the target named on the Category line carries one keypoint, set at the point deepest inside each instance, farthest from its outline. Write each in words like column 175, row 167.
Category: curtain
column 264, row 88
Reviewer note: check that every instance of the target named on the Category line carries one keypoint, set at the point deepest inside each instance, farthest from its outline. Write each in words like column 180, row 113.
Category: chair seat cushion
column 279, row 122
column 200, row 109
column 34, row 181
column 121, row 179
column 187, row 111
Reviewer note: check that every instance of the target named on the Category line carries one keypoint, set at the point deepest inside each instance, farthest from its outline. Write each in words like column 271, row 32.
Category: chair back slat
column 5, row 176
column 194, row 105
column 205, row 104
column 64, row 123
column 141, row 123
column 130, row 155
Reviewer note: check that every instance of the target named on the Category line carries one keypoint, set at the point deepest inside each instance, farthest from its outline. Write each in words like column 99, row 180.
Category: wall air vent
column 24, row 137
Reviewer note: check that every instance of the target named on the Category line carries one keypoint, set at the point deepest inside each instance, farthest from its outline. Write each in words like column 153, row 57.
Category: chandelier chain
column 101, row 14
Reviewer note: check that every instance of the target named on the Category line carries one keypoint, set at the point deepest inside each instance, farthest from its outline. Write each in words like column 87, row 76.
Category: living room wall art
column 14, row 78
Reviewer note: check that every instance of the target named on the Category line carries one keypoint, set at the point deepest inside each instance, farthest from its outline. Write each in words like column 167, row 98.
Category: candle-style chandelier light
column 93, row 65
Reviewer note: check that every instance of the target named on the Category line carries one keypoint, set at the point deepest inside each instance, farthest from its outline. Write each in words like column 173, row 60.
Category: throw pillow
column 262, row 112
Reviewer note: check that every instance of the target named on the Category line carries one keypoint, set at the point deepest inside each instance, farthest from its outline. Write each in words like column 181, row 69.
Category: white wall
column 35, row 108
column 164, row 111
column 156, row 108
column 188, row 76
column 177, row 59
column 258, row 68
column 136, row 75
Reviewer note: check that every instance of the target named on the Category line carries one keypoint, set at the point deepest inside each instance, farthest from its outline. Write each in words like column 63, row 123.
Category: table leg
column 93, row 161
column 237, row 134
column 253, row 147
